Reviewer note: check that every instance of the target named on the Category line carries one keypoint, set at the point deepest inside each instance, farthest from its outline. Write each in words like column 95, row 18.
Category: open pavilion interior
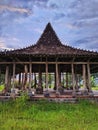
column 49, row 65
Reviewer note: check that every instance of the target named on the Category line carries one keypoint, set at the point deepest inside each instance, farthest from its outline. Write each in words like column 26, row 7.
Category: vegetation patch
column 42, row 115
column 1, row 87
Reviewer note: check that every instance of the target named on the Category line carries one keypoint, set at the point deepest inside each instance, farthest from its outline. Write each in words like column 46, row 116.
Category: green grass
column 1, row 87
column 95, row 88
column 42, row 115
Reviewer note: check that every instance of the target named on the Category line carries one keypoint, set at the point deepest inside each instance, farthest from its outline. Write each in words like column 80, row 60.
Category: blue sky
column 23, row 21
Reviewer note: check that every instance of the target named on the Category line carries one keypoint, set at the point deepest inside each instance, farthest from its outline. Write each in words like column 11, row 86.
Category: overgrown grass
column 1, row 87
column 95, row 88
column 42, row 115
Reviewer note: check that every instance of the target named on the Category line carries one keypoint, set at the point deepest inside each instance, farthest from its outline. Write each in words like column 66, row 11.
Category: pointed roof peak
column 49, row 37
column 49, row 25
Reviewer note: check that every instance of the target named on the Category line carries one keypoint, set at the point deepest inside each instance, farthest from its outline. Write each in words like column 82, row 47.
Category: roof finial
column 48, row 25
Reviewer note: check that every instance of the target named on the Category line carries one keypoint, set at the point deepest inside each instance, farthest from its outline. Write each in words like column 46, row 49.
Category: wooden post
column 73, row 77
column 63, row 79
column 40, row 77
column 55, row 81
column 13, row 82
column 26, row 72
column 22, row 80
column 0, row 71
column 57, row 76
column 89, row 82
column 66, row 80
column 76, row 77
column 19, row 79
column 9, row 80
column 47, row 75
column 35, row 80
column 6, row 76
column 79, row 79
column 30, row 75
column 84, row 76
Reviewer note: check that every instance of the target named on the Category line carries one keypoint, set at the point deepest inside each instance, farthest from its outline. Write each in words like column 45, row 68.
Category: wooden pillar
column 9, row 80
column 13, row 82
column 76, row 78
column 0, row 74
column 47, row 75
column 79, row 79
column 0, row 71
column 19, row 79
column 57, row 77
column 59, row 73
column 55, row 81
column 6, row 76
column 84, row 76
column 22, row 80
column 40, row 77
column 63, row 79
column 66, row 80
column 30, row 75
column 25, row 78
column 35, row 80
column 88, row 71
column 73, row 77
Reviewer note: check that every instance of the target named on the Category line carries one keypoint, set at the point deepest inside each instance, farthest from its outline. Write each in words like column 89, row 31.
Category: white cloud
column 3, row 45
column 71, row 26
column 9, row 43
column 14, row 9
column 38, row 30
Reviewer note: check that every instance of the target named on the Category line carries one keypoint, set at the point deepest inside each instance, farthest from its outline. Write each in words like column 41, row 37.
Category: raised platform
column 67, row 96
column 60, row 98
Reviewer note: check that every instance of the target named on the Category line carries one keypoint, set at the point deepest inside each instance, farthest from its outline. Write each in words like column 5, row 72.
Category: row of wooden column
column 86, row 80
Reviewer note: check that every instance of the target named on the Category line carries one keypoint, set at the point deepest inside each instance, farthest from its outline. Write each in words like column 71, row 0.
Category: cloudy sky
column 23, row 21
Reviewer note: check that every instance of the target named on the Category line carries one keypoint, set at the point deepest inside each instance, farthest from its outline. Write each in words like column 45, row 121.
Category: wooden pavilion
column 47, row 56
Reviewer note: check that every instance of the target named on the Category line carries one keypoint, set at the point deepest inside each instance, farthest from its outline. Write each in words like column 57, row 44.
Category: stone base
column 90, row 93
column 74, row 93
column 65, row 100
column 12, row 95
column 79, row 93
column 57, row 94
column 46, row 93
column 61, row 90
column 84, row 91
